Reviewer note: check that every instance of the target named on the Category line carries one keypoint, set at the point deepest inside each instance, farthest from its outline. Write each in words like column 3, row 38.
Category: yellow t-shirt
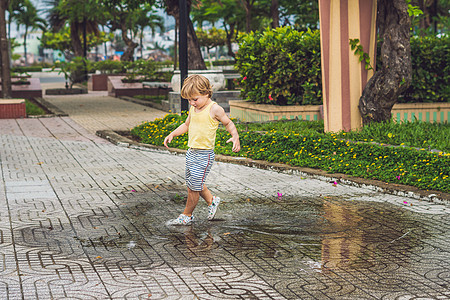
column 202, row 128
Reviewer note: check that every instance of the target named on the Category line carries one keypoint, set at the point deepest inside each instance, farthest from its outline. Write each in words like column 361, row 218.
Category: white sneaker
column 212, row 209
column 181, row 220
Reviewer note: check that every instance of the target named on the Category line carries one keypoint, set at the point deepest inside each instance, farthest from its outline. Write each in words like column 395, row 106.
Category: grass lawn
column 33, row 109
column 362, row 154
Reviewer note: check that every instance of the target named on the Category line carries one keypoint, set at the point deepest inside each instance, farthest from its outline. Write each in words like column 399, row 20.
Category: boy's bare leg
column 191, row 203
column 206, row 194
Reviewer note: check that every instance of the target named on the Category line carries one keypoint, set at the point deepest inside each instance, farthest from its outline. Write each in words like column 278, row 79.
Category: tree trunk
column 229, row 37
column 248, row 14
column 25, row 46
column 4, row 54
column 175, row 47
column 394, row 77
column 274, row 14
column 9, row 28
column 195, row 58
column 76, row 41
column 105, row 46
column 141, row 43
column 129, row 52
column 425, row 20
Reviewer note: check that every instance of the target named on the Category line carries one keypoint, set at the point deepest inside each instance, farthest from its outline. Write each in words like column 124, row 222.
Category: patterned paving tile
column 84, row 219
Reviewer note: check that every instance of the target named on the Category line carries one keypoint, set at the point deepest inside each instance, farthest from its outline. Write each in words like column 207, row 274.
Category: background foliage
column 431, row 70
column 144, row 70
column 282, row 66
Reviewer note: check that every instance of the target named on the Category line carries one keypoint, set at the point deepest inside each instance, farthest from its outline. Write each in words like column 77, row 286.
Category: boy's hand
column 167, row 140
column 236, row 143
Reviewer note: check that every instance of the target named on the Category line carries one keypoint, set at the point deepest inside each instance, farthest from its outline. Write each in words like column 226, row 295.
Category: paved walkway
column 81, row 218
column 97, row 111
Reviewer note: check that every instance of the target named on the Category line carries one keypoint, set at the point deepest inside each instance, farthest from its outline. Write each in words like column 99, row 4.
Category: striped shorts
column 198, row 165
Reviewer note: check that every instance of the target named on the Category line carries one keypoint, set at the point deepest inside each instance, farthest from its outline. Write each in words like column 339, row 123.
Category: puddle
column 275, row 239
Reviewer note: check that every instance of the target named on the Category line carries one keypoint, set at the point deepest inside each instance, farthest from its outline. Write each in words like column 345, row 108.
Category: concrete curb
column 56, row 112
column 374, row 185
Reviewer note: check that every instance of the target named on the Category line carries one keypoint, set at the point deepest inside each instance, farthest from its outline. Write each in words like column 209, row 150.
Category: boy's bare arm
column 220, row 115
column 182, row 129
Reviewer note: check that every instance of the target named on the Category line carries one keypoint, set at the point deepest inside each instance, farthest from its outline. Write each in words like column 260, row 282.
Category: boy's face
column 198, row 101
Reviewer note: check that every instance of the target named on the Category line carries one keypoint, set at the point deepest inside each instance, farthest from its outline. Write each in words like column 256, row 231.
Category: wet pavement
column 82, row 218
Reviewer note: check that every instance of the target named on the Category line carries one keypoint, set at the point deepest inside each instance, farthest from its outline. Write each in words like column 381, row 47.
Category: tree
column 212, row 38
column 195, row 57
column 146, row 18
column 229, row 11
column 304, row 13
column 28, row 17
column 275, row 14
column 14, row 8
column 434, row 12
column 394, row 76
column 81, row 16
column 4, row 53
column 122, row 17
column 62, row 41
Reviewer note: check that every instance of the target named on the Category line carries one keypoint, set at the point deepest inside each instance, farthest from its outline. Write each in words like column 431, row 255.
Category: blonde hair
column 196, row 85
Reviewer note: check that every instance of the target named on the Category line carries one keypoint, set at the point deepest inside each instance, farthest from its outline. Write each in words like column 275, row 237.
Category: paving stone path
column 97, row 111
column 81, row 218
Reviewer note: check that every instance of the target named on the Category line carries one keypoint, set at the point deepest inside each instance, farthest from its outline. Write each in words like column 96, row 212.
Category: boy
column 201, row 125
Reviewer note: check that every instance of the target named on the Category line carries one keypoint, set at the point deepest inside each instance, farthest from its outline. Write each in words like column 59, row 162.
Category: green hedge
column 282, row 66
column 146, row 70
column 431, row 70
column 26, row 69
column 223, row 62
column 110, row 66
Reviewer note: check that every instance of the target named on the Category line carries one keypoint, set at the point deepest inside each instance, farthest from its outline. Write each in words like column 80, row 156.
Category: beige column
column 343, row 76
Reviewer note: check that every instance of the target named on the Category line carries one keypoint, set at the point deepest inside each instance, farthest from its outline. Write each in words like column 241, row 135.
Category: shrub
column 223, row 62
column 431, row 70
column 142, row 70
column 26, row 69
column 74, row 71
column 162, row 76
column 280, row 66
column 110, row 66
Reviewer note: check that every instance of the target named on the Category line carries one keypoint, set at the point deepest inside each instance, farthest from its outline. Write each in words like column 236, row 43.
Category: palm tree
column 81, row 15
column 147, row 17
column 29, row 18
column 15, row 7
